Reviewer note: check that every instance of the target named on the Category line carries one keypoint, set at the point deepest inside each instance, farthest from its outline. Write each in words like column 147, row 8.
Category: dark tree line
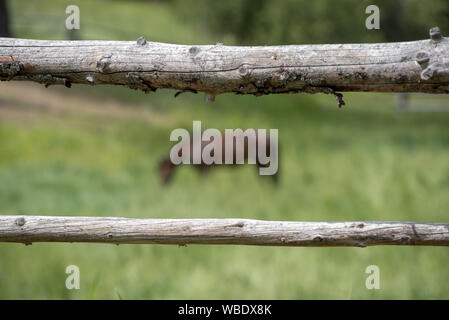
column 260, row 22
column 4, row 19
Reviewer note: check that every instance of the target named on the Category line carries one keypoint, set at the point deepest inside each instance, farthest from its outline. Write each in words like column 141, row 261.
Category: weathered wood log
column 29, row 229
column 417, row 66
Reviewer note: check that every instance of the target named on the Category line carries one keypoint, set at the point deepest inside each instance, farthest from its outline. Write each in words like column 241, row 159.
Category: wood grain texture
column 417, row 66
column 29, row 229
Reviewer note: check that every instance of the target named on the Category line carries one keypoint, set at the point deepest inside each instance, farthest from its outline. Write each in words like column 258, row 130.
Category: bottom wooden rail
column 29, row 229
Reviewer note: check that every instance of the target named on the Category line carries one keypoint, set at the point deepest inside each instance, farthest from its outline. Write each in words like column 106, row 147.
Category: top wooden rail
column 416, row 66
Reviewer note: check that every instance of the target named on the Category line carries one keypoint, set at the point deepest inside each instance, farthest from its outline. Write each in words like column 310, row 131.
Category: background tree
column 4, row 20
column 321, row 21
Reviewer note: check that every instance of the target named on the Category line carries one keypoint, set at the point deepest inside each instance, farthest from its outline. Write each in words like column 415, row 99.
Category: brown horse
column 167, row 168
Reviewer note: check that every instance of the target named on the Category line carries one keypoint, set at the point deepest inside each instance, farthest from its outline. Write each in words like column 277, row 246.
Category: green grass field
column 94, row 151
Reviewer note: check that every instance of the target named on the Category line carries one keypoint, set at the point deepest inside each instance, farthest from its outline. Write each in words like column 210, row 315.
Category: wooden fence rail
column 29, row 229
column 416, row 66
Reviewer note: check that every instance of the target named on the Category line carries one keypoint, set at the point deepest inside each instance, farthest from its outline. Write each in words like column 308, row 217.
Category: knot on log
column 141, row 41
column 423, row 59
column 20, row 222
column 194, row 51
column 103, row 64
column 244, row 71
column 435, row 69
column 435, row 34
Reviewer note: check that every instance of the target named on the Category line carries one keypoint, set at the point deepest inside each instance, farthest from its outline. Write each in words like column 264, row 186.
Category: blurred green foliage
column 260, row 22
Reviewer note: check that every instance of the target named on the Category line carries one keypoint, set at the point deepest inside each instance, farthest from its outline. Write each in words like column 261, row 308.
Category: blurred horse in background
column 167, row 167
